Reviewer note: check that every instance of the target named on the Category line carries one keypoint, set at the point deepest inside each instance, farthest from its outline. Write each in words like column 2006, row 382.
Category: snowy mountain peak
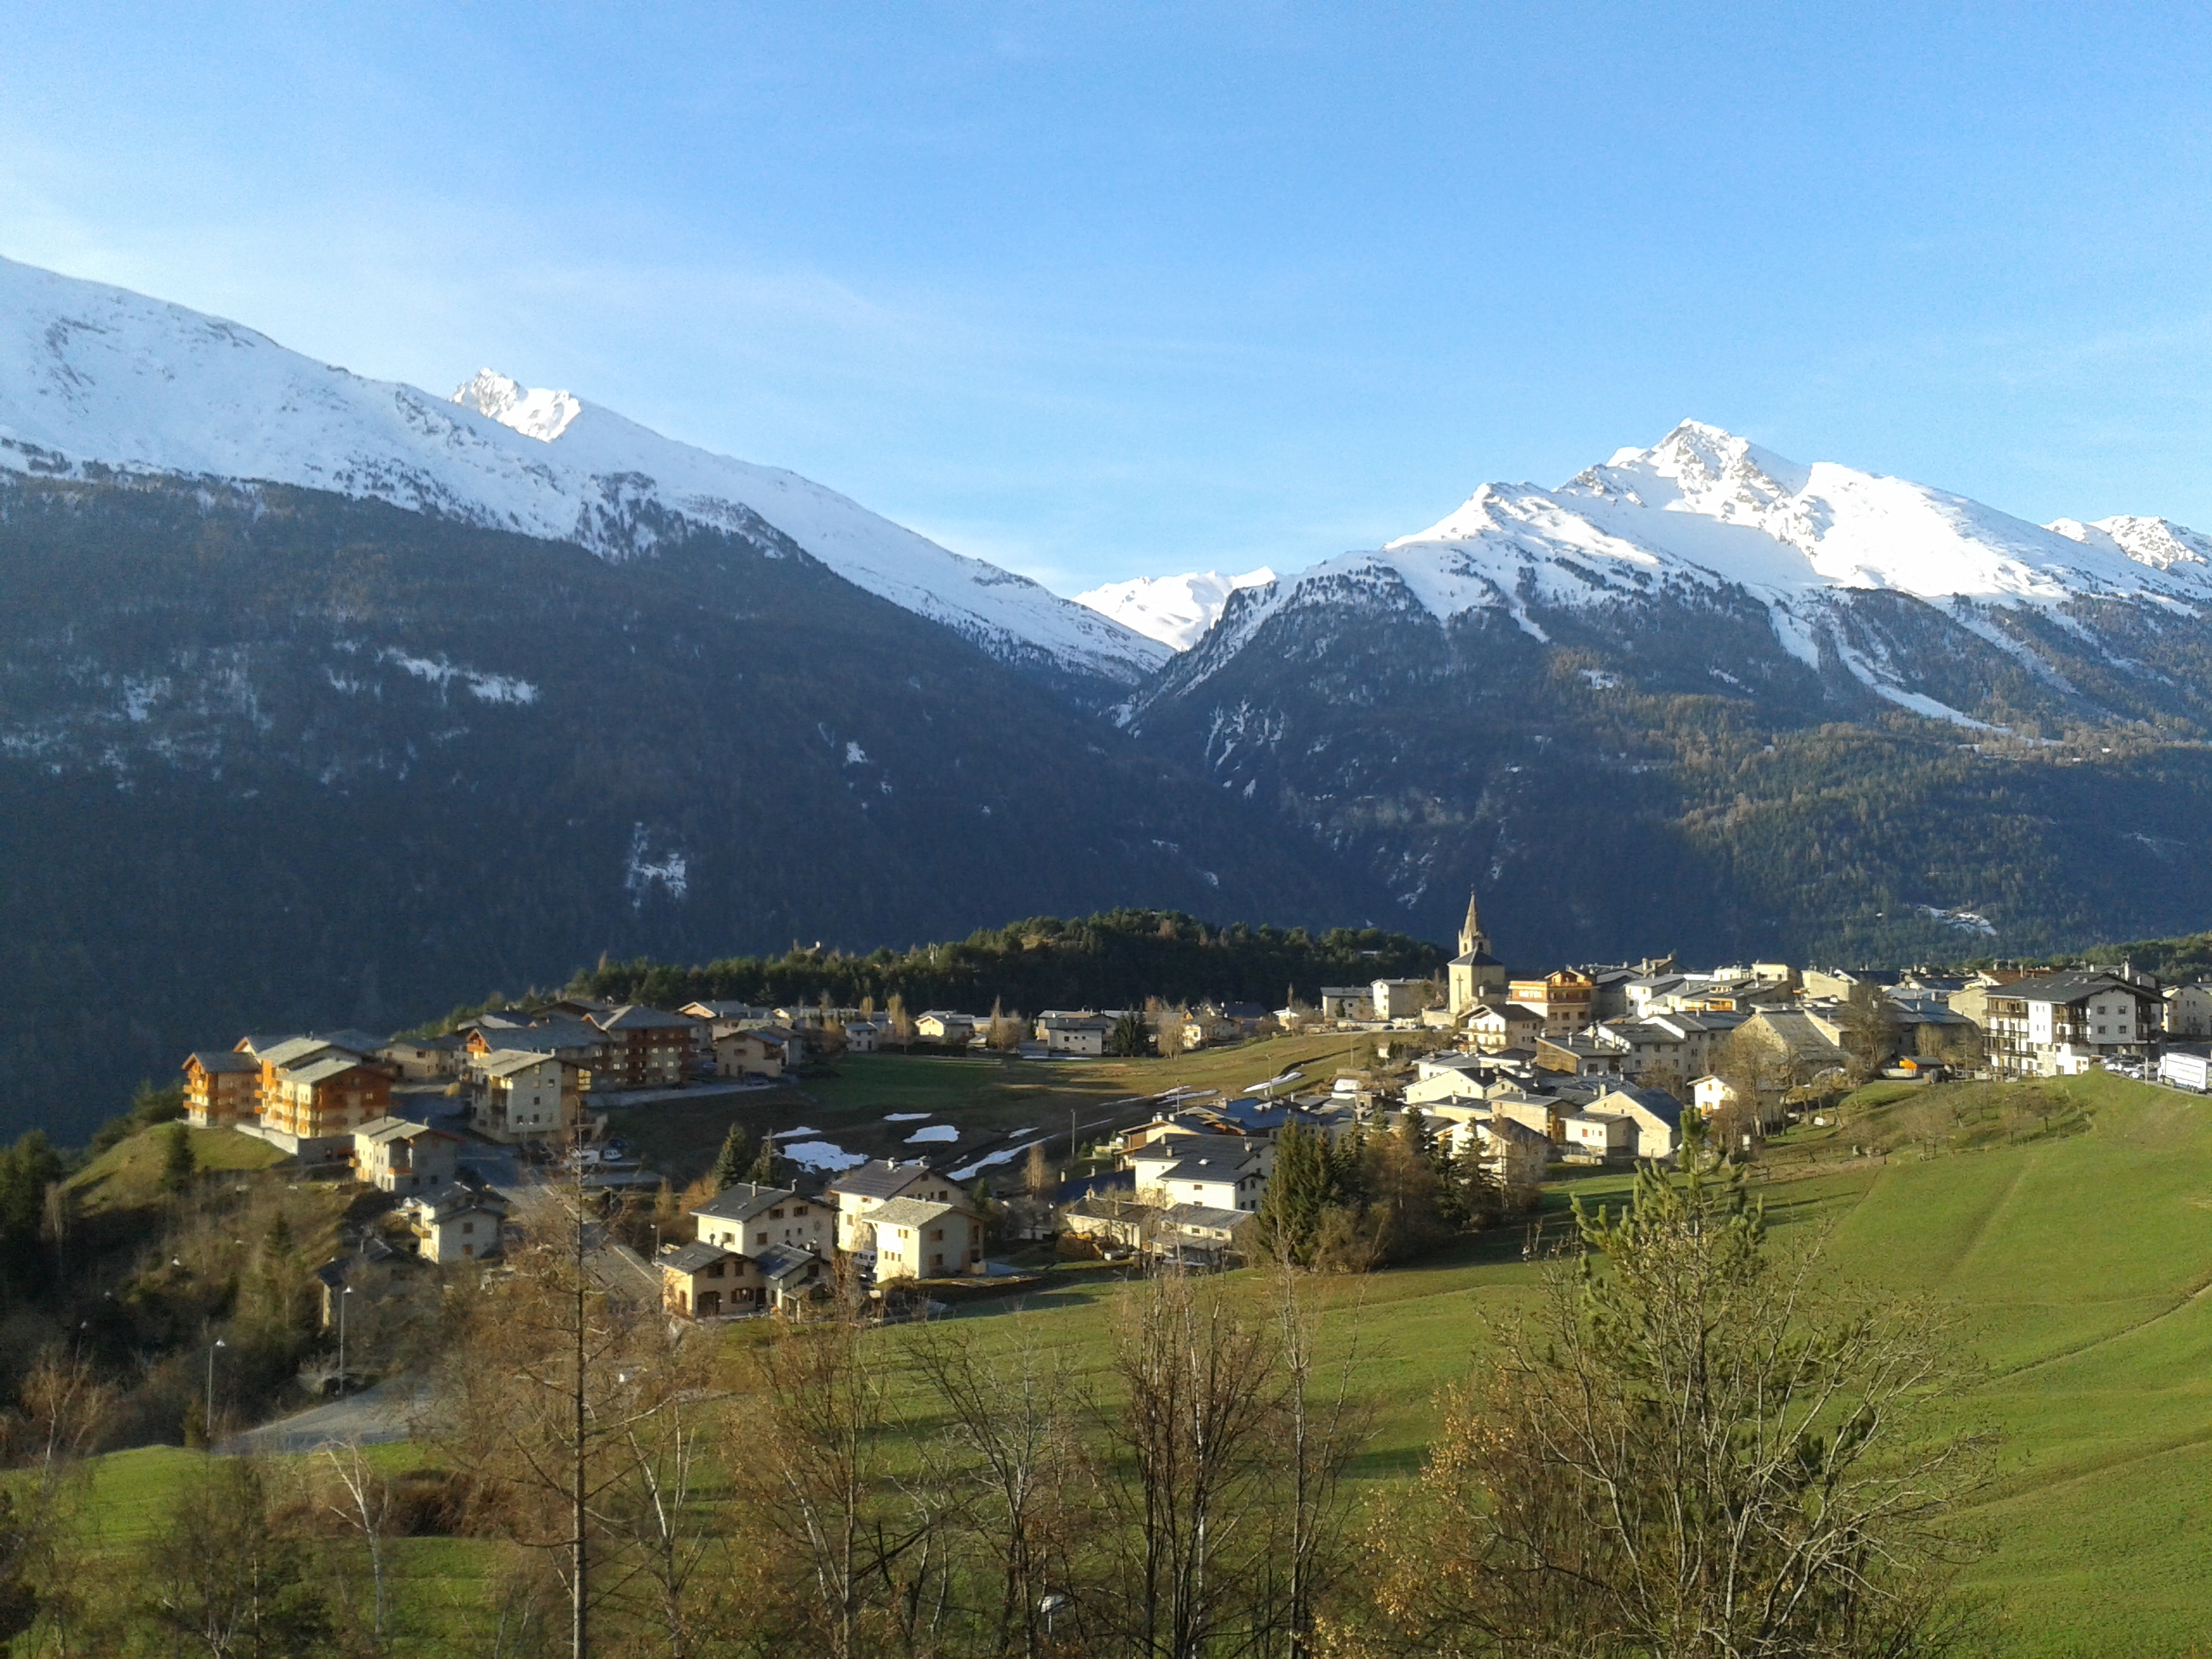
column 534, row 413
column 2158, row 542
column 1175, row 610
column 94, row 376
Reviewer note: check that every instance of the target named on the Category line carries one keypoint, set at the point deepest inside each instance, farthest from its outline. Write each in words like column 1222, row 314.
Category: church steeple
column 1472, row 940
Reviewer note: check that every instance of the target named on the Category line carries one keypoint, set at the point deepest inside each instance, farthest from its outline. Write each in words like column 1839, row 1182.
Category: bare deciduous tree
column 1695, row 1451
column 1186, row 1489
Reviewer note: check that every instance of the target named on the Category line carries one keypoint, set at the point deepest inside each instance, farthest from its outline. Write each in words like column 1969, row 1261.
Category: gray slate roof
column 690, row 1258
column 742, row 1203
column 879, row 1177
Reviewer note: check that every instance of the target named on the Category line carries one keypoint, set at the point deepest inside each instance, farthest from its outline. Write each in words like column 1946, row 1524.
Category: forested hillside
column 272, row 758
column 1114, row 960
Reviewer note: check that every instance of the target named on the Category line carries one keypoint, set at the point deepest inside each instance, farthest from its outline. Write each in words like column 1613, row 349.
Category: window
column 760, row 1238
column 775, row 1215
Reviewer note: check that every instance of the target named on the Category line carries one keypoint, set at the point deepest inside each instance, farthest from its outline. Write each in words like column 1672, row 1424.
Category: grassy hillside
column 2077, row 1257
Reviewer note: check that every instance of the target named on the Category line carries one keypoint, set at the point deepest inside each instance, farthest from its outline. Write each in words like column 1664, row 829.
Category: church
column 1474, row 976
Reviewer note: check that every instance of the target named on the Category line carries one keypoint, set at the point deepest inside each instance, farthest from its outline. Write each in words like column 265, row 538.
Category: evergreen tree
column 1130, row 1036
column 1298, row 1193
column 763, row 1173
column 178, row 1163
column 731, row 1162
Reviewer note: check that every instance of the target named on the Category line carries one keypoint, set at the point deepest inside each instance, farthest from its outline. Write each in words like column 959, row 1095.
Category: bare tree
column 1012, row 1462
column 1187, row 1485
column 668, row 1422
column 815, row 1471
column 1320, row 1427
column 361, row 1498
column 1699, row 1452
column 534, row 1403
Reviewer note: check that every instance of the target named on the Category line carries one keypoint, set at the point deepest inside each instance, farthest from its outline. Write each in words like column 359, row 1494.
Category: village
column 1524, row 1076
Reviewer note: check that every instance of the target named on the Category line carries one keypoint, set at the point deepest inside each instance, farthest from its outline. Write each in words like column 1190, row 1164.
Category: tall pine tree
column 1303, row 1186
column 731, row 1162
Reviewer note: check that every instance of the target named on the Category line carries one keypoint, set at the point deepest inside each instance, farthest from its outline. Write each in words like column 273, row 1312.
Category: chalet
column 1198, row 1234
column 1564, row 1001
column 1083, row 1034
column 313, row 1104
column 577, row 1044
column 1517, row 1156
column 222, row 1088
column 1593, row 1136
column 522, row 1095
column 1498, row 1025
column 456, row 1224
column 646, row 1048
column 747, row 1218
column 395, row 1155
column 709, row 1281
column 741, row 1053
column 424, row 1060
column 1111, row 1220
column 1654, row 1116
column 1232, row 1181
column 859, row 1192
column 1353, row 1002
column 1399, row 998
column 1578, row 1057
column 2060, row 1025
column 2189, row 1011
column 1806, row 1042
column 916, row 1238
column 945, row 1026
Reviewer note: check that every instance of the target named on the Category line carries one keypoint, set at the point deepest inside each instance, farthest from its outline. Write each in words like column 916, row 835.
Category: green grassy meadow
column 2074, row 1259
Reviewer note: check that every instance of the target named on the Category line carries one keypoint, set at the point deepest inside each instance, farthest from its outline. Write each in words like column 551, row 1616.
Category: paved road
column 373, row 1417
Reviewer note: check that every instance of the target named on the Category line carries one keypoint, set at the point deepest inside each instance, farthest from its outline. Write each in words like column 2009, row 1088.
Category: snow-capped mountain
column 1175, row 610
column 94, row 376
column 1705, row 512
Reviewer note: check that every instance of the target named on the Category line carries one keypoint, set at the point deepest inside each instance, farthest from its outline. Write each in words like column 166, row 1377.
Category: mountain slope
column 1175, row 610
column 93, row 377
column 1704, row 696
column 275, row 758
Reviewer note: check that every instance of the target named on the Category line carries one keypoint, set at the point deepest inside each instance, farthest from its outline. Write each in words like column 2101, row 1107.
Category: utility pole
column 579, row 1634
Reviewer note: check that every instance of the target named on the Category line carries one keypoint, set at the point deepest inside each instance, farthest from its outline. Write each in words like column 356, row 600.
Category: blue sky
column 1099, row 291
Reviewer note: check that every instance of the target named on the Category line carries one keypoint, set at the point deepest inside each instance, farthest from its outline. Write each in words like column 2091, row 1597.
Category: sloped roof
column 1207, row 1169
column 1203, row 1215
column 690, row 1258
column 744, row 1201
column 879, row 1177
column 784, row 1262
column 505, row 1062
column 636, row 1016
column 544, row 1040
column 2073, row 987
column 222, row 1060
column 397, row 1128
column 322, row 1071
column 908, row 1212
column 1657, row 1101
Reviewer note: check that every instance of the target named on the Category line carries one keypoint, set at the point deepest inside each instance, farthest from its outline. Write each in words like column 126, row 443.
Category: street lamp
column 210, row 1424
column 342, row 1295
column 1051, row 1605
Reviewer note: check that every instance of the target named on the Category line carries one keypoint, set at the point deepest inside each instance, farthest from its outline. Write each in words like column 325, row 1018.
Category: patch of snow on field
column 821, row 1154
column 935, row 1132
column 785, row 1134
column 904, row 1117
column 1006, row 1156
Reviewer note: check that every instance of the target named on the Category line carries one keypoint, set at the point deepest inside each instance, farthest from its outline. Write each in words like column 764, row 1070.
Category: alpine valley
column 327, row 701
